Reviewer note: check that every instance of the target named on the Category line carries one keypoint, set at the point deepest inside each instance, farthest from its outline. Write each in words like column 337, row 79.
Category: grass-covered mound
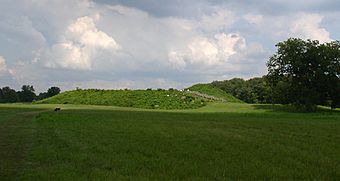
column 215, row 92
column 149, row 99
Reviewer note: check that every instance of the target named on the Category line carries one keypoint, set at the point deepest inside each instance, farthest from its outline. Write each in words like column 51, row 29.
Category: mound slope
column 149, row 99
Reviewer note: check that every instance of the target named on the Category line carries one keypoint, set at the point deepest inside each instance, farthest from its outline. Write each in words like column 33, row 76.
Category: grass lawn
column 216, row 142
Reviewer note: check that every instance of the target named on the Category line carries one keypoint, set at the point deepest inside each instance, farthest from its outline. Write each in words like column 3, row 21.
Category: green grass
column 214, row 91
column 16, row 133
column 215, row 142
column 149, row 99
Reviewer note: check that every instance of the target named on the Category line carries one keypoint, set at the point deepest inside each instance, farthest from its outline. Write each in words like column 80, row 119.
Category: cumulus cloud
column 85, row 32
column 208, row 52
column 79, row 45
column 19, row 37
column 3, row 66
column 200, row 48
column 6, row 73
column 308, row 26
column 278, row 28
column 253, row 18
column 219, row 19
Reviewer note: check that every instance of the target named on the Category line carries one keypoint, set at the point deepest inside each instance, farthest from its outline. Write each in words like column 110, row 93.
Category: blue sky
column 116, row 44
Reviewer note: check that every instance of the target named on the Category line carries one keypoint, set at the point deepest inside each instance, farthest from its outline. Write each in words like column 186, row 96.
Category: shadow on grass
column 291, row 108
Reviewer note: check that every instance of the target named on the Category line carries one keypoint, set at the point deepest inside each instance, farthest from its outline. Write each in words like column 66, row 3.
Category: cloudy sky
column 150, row 43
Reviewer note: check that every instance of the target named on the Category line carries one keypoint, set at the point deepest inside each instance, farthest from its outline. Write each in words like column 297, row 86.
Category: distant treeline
column 26, row 94
column 255, row 90
column 259, row 90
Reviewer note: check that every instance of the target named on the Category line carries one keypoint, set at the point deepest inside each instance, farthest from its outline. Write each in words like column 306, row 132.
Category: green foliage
column 52, row 91
column 305, row 73
column 254, row 90
column 150, row 99
column 26, row 94
column 8, row 95
column 213, row 91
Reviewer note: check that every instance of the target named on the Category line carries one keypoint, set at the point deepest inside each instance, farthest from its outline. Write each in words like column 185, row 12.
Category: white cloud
column 201, row 50
column 308, row 26
column 206, row 52
column 85, row 32
column 194, row 48
column 298, row 25
column 176, row 60
column 230, row 44
column 79, row 45
column 69, row 55
column 3, row 66
column 220, row 19
column 253, row 18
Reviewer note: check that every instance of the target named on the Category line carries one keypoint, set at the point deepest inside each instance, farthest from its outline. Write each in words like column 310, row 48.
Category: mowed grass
column 16, row 134
column 243, row 142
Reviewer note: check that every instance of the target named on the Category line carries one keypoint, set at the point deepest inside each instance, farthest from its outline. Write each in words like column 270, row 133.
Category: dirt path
column 16, row 136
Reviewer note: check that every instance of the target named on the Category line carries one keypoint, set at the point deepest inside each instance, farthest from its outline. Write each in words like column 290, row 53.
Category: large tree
column 52, row 91
column 27, row 93
column 305, row 73
column 8, row 95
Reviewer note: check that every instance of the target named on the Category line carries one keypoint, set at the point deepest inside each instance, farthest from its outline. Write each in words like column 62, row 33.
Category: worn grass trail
column 16, row 134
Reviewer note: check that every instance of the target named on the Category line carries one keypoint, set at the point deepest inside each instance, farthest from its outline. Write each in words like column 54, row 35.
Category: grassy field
column 215, row 142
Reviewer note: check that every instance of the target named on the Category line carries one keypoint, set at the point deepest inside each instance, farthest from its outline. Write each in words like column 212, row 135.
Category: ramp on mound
column 208, row 91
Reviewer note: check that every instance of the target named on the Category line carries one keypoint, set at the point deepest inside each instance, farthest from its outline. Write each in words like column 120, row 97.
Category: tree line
column 255, row 90
column 26, row 94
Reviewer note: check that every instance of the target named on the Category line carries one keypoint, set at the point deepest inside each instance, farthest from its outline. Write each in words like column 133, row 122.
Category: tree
column 259, row 90
column 305, row 73
column 27, row 93
column 8, row 95
column 331, row 79
column 53, row 91
column 42, row 95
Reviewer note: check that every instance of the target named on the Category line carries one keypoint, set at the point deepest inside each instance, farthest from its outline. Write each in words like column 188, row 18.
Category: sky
column 117, row 44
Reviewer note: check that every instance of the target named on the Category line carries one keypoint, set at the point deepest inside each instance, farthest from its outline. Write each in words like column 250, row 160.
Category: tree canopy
column 8, row 95
column 52, row 91
column 27, row 93
column 254, row 90
column 305, row 73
